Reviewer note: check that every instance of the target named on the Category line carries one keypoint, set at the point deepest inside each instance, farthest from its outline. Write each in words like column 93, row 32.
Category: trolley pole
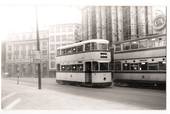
column 38, row 49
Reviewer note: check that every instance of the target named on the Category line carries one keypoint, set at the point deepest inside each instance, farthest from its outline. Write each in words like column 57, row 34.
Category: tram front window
column 103, row 46
column 93, row 46
column 104, row 66
column 95, row 66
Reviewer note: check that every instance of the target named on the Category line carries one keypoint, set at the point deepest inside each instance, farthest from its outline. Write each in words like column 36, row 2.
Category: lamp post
column 38, row 49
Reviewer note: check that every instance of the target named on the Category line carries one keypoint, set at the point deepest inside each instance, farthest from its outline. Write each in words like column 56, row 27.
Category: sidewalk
column 44, row 99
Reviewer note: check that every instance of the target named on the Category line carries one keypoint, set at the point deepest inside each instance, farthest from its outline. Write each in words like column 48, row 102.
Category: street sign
column 36, row 56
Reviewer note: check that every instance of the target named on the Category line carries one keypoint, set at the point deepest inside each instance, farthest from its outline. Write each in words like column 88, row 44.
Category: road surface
column 52, row 96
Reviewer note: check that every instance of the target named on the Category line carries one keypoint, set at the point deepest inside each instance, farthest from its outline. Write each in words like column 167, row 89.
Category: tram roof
column 83, row 42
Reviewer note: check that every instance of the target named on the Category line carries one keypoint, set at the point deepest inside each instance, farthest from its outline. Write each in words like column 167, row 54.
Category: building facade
column 18, row 51
column 19, row 54
column 60, row 35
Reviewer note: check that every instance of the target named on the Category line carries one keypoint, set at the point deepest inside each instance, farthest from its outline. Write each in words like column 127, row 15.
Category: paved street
column 53, row 96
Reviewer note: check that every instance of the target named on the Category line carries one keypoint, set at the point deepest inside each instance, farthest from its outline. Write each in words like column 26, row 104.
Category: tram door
column 88, row 74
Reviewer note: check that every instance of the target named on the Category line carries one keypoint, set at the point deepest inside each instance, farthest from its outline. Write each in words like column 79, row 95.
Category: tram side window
column 143, row 44
column 74, row 49
column 87, row 47
column 93, row 46
column 63, row 67
column 118, row 47
column 134, row 66
column 134, row 45
column 117, row 66
column 68, row 51
column 73, row 67
column 79, row 67
column 161, row 42
column 80, row 48
column 152, row 43
column 126, row 46
column 63, row 52
column 103, row 66
column 126, row 66
column 153, row 66
column 95, row 66
column 143, row 66
column 162, row 66
column 68, row 67
column 103, row 46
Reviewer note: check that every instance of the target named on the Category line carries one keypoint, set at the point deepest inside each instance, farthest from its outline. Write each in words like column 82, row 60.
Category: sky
column 22, row 18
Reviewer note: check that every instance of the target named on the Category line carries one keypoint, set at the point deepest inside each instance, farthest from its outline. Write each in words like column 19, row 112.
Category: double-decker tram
column 84, row 63
column 141, row 61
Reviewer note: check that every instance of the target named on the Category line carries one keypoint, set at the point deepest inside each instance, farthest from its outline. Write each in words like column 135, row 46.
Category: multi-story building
column 137, row 34
column 60, row 35
column 19, row 49
column 19, row 53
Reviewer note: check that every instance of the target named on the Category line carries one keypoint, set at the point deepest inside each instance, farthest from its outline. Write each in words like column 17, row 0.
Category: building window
column 126, row 46
column 52, row 64
column 52, row 39
column 143, row 44
column 52, row 56
column 9, row 56
column 134, row 45
column 118, row 47
column 44, row 52
column 44, row 45
column 9, row 48
column 52, row 47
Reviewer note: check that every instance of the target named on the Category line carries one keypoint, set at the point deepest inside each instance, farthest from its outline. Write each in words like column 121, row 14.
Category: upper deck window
column 93, row 46
column 103, row 46
column 118, row 47
column 87, row 47
column 126, row 46
column 134, row 45
column 68, row 51
column 74, row 49
column 143, row 44
column 80, row 48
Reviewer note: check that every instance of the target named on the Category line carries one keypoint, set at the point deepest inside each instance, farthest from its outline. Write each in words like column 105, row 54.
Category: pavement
column 26, row 96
